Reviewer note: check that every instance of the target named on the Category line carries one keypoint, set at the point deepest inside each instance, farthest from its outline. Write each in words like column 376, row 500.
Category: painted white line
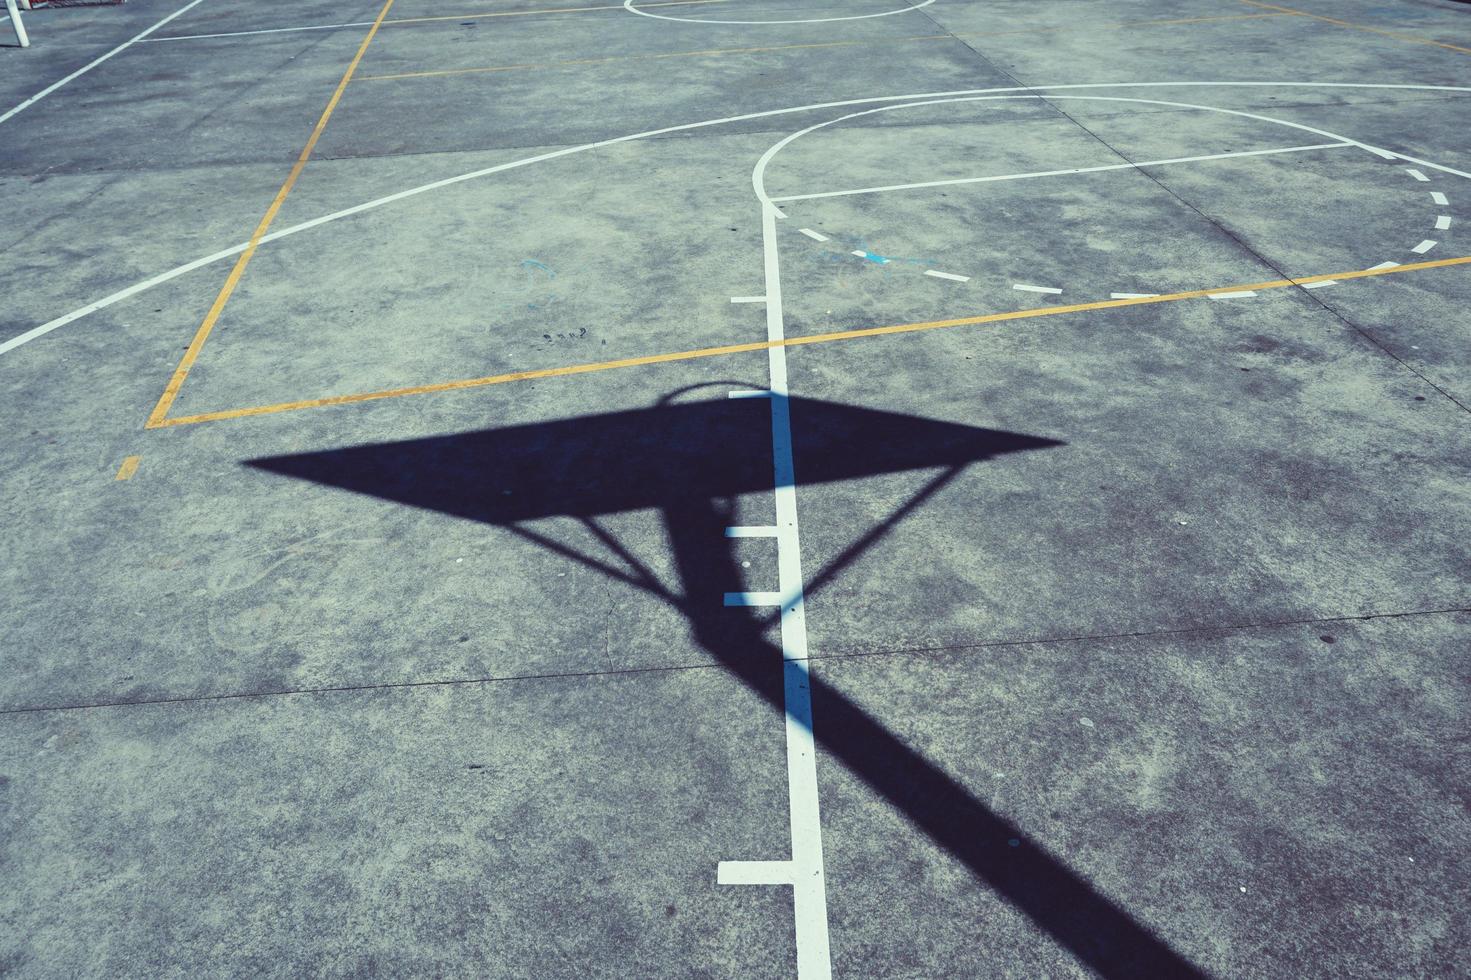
column 754, row 873
column 1235, row 294
column 1435, row 166
column 1058, row 173
column 757, row 177
column 93, row 64
column 1442, row 222
column 753, row 599
column 1320, row 284
column 1036, row 289
column 1131, row 295
column 1384, row 265
column 628, row 5
column 1424, row 246
column 119, row 296
column 747, row 393
column 1383, row 153
column 1417, row 174
column 816, row 236
column 809, row 887
column 752, row 531
column 1439, row 198
column 748, row 299
column 946, row 275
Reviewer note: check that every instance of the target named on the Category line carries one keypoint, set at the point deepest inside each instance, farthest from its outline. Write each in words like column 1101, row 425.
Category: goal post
column 20, row 28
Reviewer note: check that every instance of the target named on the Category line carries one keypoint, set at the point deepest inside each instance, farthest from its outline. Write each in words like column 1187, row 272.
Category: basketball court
column 735, row 488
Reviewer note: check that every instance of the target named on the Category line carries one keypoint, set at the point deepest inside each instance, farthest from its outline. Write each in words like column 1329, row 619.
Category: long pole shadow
column 1067, row 907
column 690, row 461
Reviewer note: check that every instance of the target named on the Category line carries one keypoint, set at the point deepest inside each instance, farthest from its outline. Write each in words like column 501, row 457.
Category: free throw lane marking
column 191, row 353
column 755, row 873
column 129, row 467
column 1385, row 268
column 809, row 884
column 753, row 599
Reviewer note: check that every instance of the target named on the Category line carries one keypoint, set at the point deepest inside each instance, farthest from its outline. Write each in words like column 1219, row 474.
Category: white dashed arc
column 1442, row 221
column 203, row 261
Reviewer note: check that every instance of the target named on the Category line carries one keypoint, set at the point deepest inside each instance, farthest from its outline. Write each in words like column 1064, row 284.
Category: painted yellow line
column 714, row 52
column 1359, row 27
column 191, row 353
column 822, row 338
column 129, row 467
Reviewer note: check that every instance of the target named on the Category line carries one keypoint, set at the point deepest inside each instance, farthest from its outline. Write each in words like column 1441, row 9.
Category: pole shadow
column 689, row 461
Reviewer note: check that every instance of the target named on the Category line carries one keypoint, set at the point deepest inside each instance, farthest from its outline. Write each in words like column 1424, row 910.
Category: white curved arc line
column 174, row 273
column 758, row 175
column 628, row 5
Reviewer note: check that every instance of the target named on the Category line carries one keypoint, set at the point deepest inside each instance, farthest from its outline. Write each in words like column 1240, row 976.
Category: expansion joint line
column 160, row 412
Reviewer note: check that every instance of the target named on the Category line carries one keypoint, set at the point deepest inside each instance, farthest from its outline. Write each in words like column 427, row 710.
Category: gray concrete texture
column 1139, row 635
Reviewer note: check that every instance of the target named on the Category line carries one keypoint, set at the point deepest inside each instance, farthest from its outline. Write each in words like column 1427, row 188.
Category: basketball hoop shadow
column 689, row 461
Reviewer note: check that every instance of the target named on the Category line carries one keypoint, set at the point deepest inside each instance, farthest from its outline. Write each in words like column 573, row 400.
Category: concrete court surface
column 459, row 518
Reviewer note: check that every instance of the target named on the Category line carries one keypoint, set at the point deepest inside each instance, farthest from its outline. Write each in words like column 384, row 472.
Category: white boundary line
column 88, row 67
column 177, row 271
column 1055, row 173
column 628, row 5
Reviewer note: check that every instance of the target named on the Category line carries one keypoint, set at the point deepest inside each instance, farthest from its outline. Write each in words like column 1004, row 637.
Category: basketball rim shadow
column 689, row 461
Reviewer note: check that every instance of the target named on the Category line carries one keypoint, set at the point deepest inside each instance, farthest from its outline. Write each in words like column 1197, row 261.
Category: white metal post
column 20, row 29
